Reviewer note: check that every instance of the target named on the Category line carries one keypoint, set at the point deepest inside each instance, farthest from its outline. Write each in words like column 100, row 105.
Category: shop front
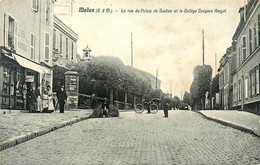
column 18, row 76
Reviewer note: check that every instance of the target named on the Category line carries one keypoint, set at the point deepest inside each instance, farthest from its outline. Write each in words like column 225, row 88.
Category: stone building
column 25, row 49
column 64, row 44
column 226, row 70
column 246, row 83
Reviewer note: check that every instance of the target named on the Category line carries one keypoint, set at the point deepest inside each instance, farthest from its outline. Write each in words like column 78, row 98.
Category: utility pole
column 72, row 1
column 156, row 79
column 203, row 46
column 215, row 64
column 132, row 63
column 171, row 90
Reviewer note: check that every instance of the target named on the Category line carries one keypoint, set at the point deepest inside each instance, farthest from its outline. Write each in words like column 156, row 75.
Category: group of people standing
column 45, row 103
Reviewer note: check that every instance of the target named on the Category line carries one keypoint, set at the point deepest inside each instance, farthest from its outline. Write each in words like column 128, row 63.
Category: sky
column 169, row 42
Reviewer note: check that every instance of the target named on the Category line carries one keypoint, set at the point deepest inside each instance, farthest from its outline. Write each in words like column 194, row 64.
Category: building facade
column 25, row 49
column 226, row 70
column 64, row 44
column 246, row 83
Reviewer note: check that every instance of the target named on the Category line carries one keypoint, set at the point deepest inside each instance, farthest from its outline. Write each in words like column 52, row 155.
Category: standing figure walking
column 62, row 97
column 93, row 101
column 166, row 105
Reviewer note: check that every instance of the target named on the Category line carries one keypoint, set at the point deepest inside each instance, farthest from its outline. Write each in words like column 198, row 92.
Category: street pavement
column 15, row 123
column 183, row 138
column 238, row 119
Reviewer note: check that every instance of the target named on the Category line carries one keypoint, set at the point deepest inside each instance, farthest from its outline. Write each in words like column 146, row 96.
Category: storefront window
column 6, row 75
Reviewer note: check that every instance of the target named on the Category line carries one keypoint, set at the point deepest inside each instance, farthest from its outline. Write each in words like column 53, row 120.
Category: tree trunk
column 125, row 100
column 111, row 96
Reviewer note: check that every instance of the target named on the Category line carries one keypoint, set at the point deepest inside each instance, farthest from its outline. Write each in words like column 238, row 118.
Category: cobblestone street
column 183, row 138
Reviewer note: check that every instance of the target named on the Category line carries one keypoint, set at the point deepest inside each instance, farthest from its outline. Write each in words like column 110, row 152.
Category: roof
column 61, row 26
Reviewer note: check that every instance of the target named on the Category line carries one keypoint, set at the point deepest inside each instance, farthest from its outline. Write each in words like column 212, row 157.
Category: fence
column 85, row 102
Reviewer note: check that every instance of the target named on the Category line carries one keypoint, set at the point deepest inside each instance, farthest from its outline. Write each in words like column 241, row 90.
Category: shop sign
column 29, row 78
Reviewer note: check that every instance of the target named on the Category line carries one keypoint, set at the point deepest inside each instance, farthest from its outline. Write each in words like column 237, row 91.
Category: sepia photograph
column 129, row 82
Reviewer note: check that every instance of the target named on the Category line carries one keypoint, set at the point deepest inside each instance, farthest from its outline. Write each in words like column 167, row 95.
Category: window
column 67, row 48
column 258, row 29
column 72, row 50
column 244, row 48
column 250, row 41
column 239, row 91
column 47, row 46
column 6, row 80
column 32, row 46
column 35, row 5
column 255, row 36
column 253, row 82
column 48, row 11
column 257, row 80
column 10, row 32
column 60, row 43
column 54, row 40
column 246, row 88
column 239, row 55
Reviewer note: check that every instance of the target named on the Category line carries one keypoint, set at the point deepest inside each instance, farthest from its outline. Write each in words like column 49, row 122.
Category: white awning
column 29, row 64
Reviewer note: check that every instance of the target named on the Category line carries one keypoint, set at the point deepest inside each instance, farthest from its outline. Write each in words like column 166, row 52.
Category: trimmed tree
column 202, row 75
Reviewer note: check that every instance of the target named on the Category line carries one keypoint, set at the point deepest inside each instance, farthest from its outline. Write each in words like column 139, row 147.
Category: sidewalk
column 17, row 127
column 244, row 121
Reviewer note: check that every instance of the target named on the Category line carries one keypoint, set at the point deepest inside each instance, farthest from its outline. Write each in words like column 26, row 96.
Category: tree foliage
column 58, row 77
column 187, row 98
column 202, row 76
column 215, row 85
column 105, row 72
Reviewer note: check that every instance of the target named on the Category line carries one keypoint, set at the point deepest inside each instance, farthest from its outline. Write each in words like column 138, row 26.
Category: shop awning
column 29, row 64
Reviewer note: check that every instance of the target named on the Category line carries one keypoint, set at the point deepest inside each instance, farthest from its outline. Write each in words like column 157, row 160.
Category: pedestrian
column 62, row 97
column 50, row 99
column 45, row 102
column 93, row 101
column 165, row 109
column 39, row 100
column 166, row 106
column 31, row 99
column 147, row 102
column 104, row 108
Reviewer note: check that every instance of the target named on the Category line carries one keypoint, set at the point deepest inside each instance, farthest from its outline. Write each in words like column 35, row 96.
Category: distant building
column 155, row 82
column 25, row 49
column 64, row 44
column 86, row 54
column 226, row 70
column 246, row 77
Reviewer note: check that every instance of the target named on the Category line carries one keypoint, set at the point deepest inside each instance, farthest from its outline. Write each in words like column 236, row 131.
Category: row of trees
column 108, row 77
column 105, row 74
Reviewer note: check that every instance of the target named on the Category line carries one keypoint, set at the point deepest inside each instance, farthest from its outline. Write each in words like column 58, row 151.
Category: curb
column 227, row 123
column 8, row 143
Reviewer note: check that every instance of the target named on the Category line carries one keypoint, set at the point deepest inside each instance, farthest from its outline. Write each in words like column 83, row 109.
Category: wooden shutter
column 15, row 35
column 6, row 22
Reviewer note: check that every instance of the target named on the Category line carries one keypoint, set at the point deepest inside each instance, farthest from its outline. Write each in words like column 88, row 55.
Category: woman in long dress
column 50, row 99
column 45, row 102
column 39, row 99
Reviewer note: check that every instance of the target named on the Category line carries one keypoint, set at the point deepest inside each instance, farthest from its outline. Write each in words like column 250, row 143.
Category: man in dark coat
column 166, row 105
column 31, row 98
column 62, row 97
column 93, row 101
